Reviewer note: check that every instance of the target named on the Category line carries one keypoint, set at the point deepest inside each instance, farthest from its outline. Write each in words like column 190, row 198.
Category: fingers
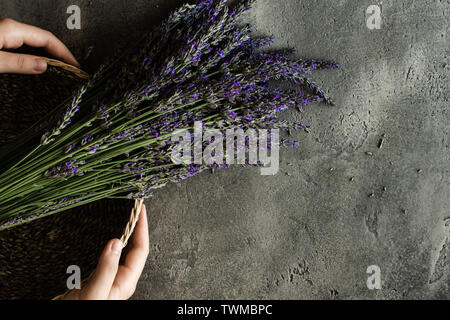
column 129, row 273
column 101, row 282
column 110, row 281
column 21, row 63
column 14, row 34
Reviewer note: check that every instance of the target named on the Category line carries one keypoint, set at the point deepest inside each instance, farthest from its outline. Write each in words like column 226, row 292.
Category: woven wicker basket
column 34, row 257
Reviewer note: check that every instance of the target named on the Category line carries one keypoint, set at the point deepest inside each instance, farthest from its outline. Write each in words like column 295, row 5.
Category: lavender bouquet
column 113, row 139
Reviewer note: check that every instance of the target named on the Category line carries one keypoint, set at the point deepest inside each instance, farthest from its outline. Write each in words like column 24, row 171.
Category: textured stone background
column 312, row 230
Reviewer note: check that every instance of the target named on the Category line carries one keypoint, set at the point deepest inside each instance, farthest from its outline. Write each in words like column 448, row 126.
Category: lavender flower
column 198, row 65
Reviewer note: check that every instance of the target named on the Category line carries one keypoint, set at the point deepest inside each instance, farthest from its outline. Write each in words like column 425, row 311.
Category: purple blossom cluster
column 208, row 68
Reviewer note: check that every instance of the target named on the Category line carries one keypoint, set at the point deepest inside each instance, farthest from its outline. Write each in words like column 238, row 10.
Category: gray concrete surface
column 311, row 231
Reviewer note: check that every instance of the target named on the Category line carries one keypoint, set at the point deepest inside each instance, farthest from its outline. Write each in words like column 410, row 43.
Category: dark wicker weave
column 34, row 257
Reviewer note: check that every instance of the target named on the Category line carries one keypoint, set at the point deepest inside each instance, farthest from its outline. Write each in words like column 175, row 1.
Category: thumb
column 100, row 284
column 21, row 63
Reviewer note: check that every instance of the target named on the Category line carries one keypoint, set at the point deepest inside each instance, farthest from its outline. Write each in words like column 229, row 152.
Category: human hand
column 111, row 281
column 14, row 35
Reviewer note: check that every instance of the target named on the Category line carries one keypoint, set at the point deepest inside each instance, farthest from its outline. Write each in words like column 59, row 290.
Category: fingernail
column 117, row 247
column 40, row 65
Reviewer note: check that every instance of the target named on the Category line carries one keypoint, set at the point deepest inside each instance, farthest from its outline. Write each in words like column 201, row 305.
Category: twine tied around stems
column 131, row 225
